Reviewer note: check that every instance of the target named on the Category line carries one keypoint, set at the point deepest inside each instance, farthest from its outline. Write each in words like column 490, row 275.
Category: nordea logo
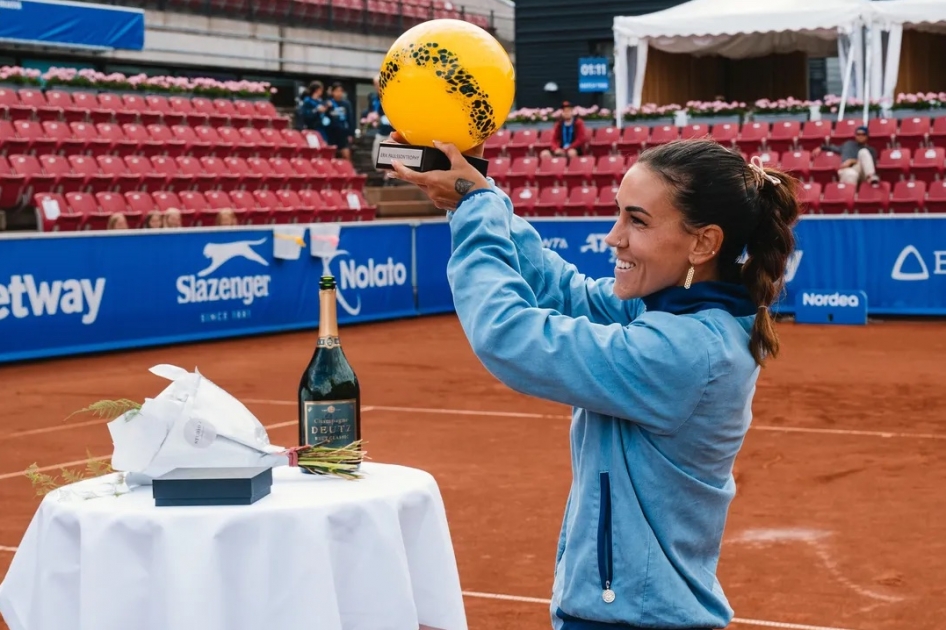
column 830, row 299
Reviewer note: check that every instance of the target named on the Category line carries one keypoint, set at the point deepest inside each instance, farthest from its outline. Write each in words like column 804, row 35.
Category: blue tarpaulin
column 71, row 24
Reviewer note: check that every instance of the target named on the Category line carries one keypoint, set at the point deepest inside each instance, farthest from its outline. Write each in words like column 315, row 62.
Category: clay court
column 839, row 520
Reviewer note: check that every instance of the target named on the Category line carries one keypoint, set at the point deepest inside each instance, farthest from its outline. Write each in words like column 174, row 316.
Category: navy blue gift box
column 212, row 486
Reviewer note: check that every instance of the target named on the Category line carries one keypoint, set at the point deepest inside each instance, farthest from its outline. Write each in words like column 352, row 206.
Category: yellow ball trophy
column 444, row 80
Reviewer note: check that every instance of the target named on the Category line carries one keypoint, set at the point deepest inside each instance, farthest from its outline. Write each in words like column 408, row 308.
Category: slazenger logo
column 354, row 276
column 830, row 299
column 198, row 288
column 910, row 257
column 69, row 297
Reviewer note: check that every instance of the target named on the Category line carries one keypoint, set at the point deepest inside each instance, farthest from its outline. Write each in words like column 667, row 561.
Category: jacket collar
column 730, row 297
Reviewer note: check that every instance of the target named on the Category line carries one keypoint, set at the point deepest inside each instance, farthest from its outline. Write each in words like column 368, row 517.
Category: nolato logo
column 197, row 288
column 830, row 299
column 25, row 297
column 364, row 276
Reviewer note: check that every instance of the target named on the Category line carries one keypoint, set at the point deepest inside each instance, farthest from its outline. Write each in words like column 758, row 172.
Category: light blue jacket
column 661, row 390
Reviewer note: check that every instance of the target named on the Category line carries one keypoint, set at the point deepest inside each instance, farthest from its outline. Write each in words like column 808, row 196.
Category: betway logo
column 69, row 297
column 830, row 299
column 910, row 257
column 198, row 288
column 354, row 276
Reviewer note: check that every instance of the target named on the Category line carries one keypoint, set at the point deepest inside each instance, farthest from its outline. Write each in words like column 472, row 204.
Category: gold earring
column 689, row 280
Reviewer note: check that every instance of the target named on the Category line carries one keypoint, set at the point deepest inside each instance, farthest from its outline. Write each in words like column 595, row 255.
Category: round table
column 318, row 553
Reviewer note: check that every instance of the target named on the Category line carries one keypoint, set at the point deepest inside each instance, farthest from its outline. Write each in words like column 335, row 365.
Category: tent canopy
column 744, row 28
column 922, row 15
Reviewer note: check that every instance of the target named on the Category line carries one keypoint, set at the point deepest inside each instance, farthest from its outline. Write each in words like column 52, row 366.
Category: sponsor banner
column 69, row 294
column 71, row 24
column 827, row 307
column 66, row 294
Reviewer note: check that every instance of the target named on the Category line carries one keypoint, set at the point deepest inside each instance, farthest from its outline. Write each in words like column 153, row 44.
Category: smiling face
column 651, row 243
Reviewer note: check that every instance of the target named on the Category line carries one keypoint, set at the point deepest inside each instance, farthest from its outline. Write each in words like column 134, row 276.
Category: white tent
column 893, row 16
column 740, row 29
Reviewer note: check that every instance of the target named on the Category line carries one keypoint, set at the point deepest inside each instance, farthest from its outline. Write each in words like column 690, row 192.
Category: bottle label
column 331, row 422
column 328, row 342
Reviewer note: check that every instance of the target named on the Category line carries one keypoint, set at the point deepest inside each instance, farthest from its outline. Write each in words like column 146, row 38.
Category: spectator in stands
column 341, row 129
column 172, row 218
column 857, row 159
column 117, row 222
column 314, row 110
column 226, row 216
column 384, row 127
column 153, row 221
column 570, row 137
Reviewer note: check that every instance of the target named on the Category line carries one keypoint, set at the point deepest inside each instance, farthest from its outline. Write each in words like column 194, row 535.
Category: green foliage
column 43, row 483
column 109, row 409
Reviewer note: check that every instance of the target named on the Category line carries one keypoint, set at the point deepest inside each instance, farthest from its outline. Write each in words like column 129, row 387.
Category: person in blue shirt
column 659, row 364
column 314, row 110
column 341, row 130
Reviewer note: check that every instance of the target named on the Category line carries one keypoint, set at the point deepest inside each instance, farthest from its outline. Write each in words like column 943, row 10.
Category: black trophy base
column 422, row 159
column 212, row 486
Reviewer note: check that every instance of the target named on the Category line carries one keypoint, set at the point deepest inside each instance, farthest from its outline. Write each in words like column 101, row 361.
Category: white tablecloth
column 318, row 553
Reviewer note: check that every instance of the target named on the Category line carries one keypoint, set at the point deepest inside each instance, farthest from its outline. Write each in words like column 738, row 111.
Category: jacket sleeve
column 557, row 284
column 582, row 137
column 652, row 371
column 557, row 136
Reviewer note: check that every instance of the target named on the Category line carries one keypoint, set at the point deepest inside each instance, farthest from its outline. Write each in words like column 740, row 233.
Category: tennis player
column 659, row 363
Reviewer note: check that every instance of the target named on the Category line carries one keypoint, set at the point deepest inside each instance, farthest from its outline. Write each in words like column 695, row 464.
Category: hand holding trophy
column 447, row 81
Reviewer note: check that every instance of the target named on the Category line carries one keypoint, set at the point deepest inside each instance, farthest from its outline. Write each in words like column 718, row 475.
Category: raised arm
column 652, row 371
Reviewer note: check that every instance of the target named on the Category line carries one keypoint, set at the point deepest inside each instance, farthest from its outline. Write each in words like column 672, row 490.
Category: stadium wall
column 71, row 293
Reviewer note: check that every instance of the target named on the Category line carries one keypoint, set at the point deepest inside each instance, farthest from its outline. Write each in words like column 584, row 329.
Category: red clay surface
column 829, row 528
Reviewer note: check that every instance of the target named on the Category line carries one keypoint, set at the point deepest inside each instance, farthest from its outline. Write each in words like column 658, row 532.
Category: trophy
column 448, row 81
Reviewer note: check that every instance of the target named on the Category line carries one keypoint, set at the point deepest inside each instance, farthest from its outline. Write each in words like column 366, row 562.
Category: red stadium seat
column 551, row 171
column 245, row 202
column 141, row 203
column 605, row 141
column 88, row 167
column 166, row 200
column 176, row 180
column 192, row 167
column 54, row 214
column 241, row 146
column 66, row 142
column 844, row 130
column 228, row 108
column 85, row 205
column 824, row 167
column 609, row 170
column 147, row 144
column 119, row 144
column 633, row 139
column 123, row 180
column 814, row 134
column 581, row 201
column 522, row 172
column 936, row 196
column 928, row 163
column 498, row 168
column 809, row 197
column 204, row 213
column 725, row 133
column 662, row 134
column 160, row 104
column 96, row 113
column 89, row 135
column 252, row 136
column 199, row 141
column 752, row 136
column 606, row 204
column 908, row 197
column 838, row 198
column 580, row 171
column 66, row 180
column 113, row 203
column 13, row 106
column 139, row 105
column 168, row 143
column 521, row 143
column 315, row 207
column 33, row 131
column 938, row 132
column 893, row 165
column 523, row 200
column 37, row 100
column 295, row 179
column 250, row 178
column 112, row 102
column 12, row 185
column 872, row 198
column 882, row 132
column 695, row 130
column 913, row 132
column 783, row 135
column 36, row 180
column 182, row 107
column 10, row 142
column 551, row 201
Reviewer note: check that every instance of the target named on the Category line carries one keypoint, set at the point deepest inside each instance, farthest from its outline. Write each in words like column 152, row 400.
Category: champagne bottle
column 329, row 394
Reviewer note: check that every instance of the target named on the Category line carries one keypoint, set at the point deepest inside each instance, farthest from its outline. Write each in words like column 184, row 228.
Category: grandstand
column 911, row 164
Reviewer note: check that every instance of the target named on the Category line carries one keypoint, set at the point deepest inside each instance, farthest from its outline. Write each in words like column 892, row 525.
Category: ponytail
column 768, row 250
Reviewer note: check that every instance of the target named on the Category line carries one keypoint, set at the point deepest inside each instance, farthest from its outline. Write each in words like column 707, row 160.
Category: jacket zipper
column 605, row 560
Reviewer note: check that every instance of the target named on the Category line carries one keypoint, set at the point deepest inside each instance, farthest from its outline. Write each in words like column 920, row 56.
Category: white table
column 318, row 553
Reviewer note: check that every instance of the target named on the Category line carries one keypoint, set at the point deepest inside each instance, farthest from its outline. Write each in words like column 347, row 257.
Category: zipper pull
column 607, row 595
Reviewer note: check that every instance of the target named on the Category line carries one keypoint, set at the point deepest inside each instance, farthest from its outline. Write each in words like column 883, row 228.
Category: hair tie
column 759, row 172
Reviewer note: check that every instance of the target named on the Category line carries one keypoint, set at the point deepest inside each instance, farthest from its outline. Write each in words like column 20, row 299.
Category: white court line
column 10, row 549
column 736, row 620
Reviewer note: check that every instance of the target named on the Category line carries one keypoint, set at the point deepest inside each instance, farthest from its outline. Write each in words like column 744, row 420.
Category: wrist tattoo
column 463, row 186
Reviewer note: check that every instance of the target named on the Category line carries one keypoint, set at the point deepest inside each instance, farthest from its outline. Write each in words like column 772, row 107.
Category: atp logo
column 910, row 258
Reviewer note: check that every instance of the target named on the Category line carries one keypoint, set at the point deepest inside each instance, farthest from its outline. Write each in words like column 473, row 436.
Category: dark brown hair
column 715, row 186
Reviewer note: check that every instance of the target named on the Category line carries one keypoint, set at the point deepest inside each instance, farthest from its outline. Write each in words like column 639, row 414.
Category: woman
column 659, row 364
column 117, row 221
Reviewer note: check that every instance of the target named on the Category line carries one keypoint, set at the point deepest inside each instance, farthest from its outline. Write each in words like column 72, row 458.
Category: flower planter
column 714, row 120
column 778, row 117
column 911, row 113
